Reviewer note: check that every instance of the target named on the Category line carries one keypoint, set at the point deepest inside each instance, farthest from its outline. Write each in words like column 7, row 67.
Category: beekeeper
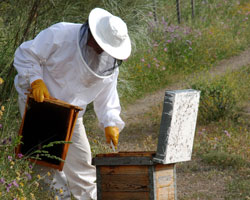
column 77, row 63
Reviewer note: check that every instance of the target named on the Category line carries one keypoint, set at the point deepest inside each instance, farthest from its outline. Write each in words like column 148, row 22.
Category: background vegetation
column 164, row 52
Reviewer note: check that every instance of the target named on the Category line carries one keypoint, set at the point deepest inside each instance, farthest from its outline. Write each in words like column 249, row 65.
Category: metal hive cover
column 177, row 129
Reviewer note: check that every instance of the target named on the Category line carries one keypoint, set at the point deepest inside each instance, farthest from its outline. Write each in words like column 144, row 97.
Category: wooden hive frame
column 44, row 123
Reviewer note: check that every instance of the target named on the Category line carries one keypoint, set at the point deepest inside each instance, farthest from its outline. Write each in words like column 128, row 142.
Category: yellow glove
column 39, row 90
column 112, row 133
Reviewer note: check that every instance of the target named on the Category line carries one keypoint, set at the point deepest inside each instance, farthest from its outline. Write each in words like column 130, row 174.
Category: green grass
column 183, row 49
column 220, row 95
column 224, row 160
column 238, row 188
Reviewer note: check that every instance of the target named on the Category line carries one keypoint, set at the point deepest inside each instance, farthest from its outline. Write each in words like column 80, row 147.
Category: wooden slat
column 127, row 182
column 58, row 102
column 59, row 167
column 163, row 167
column 164, row 176
column 128, row 154
column 125, row 196
column 68, row 137
column 164, row 179
column 152, row 184
column 166, row 193
column 132, row 169
column 116, row 161
column 99, row 183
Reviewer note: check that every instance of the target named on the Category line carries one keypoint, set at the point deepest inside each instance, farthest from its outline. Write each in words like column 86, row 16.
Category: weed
column 217, row 100
column 224, row 159
column 238, row 188
column 221, row 96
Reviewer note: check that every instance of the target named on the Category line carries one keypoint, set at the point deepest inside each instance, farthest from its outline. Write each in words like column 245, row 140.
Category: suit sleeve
column 107, row 105
column 31, row 55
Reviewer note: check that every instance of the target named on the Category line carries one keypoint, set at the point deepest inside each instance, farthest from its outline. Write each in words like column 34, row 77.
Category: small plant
column 239, row 187
column 222, row 96
column 217, row 100
column 224, row 159
column 44, row 151
column 18, row 178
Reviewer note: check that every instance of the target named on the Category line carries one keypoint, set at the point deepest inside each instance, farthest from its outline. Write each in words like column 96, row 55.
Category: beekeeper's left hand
column 112, row 133
column 39, row 90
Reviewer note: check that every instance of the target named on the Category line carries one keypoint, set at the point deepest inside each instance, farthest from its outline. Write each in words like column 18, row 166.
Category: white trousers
column 78, row 175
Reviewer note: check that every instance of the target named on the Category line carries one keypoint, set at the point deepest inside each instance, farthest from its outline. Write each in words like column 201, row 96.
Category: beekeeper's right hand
column 112, row 134
column 39, row 90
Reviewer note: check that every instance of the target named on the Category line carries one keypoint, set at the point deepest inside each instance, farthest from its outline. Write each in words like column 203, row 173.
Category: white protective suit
column 56, row 57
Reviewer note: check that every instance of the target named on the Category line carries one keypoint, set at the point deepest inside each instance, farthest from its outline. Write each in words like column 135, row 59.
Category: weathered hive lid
column 177, row 128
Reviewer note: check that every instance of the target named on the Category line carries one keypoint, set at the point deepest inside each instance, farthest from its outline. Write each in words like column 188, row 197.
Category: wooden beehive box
column 134, row 176
column 151, row 175
column 44, row 123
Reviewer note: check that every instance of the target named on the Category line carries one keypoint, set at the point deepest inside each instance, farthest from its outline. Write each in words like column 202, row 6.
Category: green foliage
column 224, row 159
column 239, row 187
column 22, row 20
column 194, row 45
column 37, row 154
column 17, row 177
column 165, row 46
column 217, row 100
column 220, row 97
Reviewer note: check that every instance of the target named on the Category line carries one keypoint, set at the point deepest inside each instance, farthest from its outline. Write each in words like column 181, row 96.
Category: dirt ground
column 194, row 180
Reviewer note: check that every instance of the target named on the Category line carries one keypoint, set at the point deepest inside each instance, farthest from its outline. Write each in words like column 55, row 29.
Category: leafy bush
column 217, row 100
column 221, row 96
column 22, row 20
column 15, row 172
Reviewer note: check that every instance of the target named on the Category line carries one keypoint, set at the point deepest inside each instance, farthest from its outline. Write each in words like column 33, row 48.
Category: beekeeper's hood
column 111, row 33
